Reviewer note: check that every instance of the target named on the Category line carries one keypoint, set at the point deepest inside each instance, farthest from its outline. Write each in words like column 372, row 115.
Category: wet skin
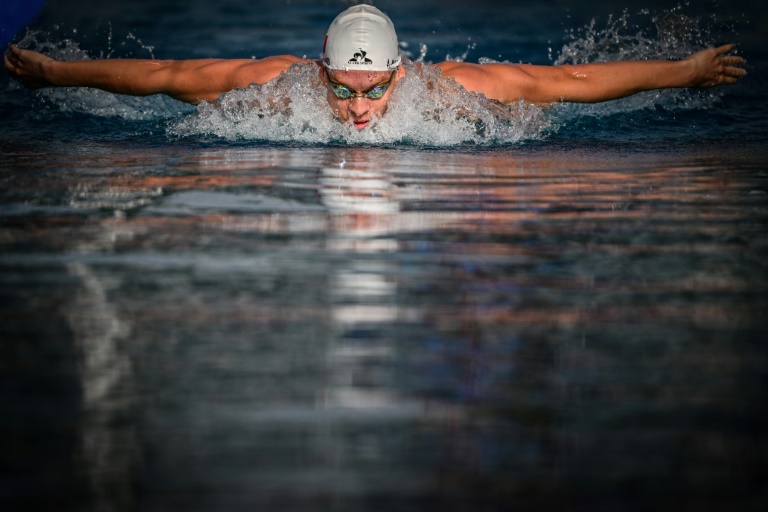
column 359, row 110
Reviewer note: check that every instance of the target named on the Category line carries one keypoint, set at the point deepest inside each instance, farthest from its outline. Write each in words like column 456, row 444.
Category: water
column 559, row 309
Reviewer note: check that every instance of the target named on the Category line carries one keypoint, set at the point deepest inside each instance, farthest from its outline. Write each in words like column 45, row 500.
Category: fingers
column 12, row 52
column 720, row 53
column 12, row 56
column 9, row 59
column 25, row 67
column 734, row 70
column 729, row 65
column 732, row 59
column 720, row 50
column 732, row 78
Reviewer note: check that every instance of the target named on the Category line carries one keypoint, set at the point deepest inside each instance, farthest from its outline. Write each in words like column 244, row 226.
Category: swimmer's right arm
column 191, row 81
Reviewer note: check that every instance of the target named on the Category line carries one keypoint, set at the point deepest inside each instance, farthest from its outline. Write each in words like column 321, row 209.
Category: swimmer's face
column 359, row 109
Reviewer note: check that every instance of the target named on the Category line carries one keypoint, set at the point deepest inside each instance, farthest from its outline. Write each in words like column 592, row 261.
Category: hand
column 714, row 67
column 27, row 66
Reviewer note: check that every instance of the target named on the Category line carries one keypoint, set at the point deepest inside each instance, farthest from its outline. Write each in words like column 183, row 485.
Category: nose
column 358, row 106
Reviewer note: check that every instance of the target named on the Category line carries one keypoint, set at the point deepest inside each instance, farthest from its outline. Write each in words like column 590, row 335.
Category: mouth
column 360, row 124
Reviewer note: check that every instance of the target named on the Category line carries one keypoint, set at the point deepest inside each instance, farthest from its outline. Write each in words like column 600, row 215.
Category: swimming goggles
column 345, row 93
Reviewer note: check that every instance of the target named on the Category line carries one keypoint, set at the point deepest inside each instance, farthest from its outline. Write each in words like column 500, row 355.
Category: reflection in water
column 362, row 203
column 369, row 329
column 108, row 450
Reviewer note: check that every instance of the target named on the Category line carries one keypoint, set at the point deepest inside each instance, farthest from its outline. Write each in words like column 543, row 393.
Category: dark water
column 574, row 321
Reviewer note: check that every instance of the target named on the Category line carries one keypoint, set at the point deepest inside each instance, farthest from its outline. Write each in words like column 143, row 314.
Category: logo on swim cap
column 362, row 37
column 360, row 59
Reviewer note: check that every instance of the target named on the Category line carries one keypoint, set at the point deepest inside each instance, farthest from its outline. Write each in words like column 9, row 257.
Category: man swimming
column 361, row 66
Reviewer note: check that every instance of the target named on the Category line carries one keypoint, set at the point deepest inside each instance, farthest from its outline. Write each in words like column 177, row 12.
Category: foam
column 426, row 108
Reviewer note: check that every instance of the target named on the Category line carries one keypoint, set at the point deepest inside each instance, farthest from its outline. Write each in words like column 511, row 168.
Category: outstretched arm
column 187, row 80
column 591, row 83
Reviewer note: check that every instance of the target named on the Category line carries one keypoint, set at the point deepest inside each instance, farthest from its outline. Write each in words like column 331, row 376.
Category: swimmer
column 361, row 66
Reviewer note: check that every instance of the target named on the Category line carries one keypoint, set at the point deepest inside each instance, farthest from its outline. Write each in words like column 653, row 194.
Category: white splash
column 426, row 108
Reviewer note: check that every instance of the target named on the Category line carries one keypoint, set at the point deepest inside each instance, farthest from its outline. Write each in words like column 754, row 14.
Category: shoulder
column 469, row 71
column 502, row 82
column 260, row 71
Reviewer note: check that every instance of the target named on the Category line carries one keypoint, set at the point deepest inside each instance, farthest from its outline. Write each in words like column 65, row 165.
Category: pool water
column 562, row 311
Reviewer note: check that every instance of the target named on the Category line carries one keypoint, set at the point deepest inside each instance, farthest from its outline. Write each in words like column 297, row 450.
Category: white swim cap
column 362, row 37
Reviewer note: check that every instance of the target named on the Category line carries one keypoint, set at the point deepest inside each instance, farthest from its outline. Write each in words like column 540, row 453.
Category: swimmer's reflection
column 358, row 191
column 362, row 204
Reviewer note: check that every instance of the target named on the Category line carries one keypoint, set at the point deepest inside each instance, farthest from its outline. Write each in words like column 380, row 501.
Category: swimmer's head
column 361, row 38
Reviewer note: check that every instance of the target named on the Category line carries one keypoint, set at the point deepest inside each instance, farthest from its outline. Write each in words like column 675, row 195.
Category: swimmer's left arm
column 591, row 83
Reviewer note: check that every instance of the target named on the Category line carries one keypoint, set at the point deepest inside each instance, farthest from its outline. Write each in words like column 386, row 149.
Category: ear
column 400, row 71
